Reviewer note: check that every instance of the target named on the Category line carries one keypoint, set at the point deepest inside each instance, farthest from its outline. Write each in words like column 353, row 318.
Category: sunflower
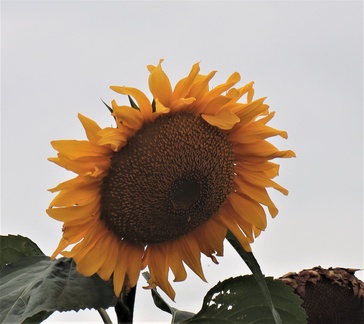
column 167, row 183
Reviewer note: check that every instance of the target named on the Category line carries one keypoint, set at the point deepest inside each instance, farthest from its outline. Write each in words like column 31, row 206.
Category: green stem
column 105, row 317
column 253, row 265
column 124, row 308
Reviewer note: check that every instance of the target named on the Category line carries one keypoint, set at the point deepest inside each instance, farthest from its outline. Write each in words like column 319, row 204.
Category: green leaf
column 240, row 300
column 178, row 316
column 34, row 287
column 16, row 247
column 253, row 265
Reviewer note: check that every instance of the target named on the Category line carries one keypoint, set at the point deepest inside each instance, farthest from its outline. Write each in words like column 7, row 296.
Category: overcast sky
column 60, row 57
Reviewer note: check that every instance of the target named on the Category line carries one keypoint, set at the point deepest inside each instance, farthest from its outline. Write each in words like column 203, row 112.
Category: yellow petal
column 61, row 246
column 127, row 115
column 75, row 212
column 79, row 196
column 158, row 267
column 112, row 137
column 75, row 182
column 260, row 179
column 73, row 149
column 234, row 228
column 270, row 169
column 249, row 209
column 160, row 108
column 183, row 86
column 254, row 133
column 250, row 111
column 201, row 85
column 190, row 253
column 175, row 263
column 159, row 85
column 82, row 165
column 120, row 270
column 181, row 103
column 224, row 119
column 256, row 193
column 141, row 99
column 247, row 89
column 261, row 150
column 108, row 267
column 210, row 237
column 232, row 80
column 213, row 106
column 94, row 258
column 134, row 263
column 90, row 127
column 74, row 234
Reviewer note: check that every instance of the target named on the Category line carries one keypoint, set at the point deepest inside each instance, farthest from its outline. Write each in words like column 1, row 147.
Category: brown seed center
column 169, row 179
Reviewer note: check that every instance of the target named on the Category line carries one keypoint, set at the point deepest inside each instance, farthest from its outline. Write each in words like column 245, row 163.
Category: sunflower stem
column 253, row 265
column 124, row 308
column 105, row 317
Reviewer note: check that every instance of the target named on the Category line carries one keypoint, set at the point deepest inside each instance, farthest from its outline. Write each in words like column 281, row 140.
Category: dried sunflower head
column 330, row 296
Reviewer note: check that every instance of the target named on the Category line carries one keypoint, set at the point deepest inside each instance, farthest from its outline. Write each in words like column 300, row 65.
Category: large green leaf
column 241, row 300
column 34, row 287
column 16, row 247
column 178, row 316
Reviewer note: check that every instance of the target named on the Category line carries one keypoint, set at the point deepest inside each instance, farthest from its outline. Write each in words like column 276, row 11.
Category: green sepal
column 154, row 108
column 133, row 104
column 107, row 106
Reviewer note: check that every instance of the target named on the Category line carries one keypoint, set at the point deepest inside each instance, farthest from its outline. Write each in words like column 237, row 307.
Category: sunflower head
column 165, row 184
column 333, row 295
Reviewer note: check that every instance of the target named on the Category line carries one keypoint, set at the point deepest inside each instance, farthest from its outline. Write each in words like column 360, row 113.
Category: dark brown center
column 168, row 180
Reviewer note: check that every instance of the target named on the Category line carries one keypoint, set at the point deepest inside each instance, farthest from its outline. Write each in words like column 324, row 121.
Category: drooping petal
column 134, row 263
column 210, row 238
column 120, row 270
column 175, row 263
column 256, row 193
column 250, row 210
column 111, row 246
column 156, row 260
column 191, row 255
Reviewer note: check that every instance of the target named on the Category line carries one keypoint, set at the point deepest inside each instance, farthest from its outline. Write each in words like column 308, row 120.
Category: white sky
column 59, row 58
